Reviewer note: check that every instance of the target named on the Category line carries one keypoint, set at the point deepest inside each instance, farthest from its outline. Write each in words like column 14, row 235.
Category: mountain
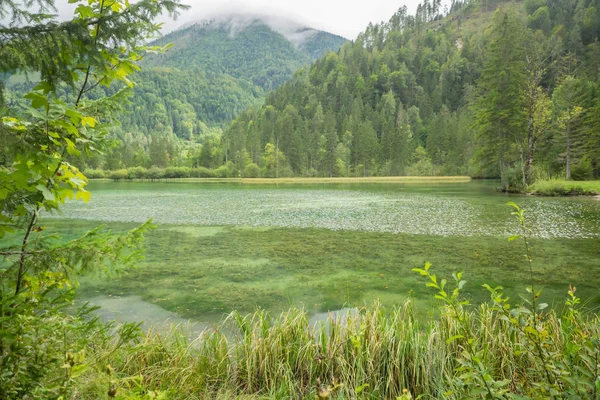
column 215, row 69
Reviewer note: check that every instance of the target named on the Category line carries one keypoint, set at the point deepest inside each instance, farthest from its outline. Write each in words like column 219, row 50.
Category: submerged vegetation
column 493, row 351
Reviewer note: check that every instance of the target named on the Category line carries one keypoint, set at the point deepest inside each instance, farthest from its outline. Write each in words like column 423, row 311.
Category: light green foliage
column 42, row 348
column 560, row 369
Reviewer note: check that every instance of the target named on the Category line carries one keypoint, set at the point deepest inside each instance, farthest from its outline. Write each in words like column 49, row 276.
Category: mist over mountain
column 262, row 49
column 216, row 68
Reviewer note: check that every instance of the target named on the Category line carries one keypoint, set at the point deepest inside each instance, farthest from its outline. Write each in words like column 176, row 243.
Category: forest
column 498, row 89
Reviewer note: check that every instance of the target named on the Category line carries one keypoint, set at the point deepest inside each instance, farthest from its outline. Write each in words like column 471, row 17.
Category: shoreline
column 337, row 180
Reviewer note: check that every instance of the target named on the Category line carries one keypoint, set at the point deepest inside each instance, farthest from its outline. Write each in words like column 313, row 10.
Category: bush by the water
column 154, row 173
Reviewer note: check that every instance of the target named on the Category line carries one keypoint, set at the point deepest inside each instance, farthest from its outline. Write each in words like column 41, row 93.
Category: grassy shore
column 373, row 353
column 558, row 187
column 339, row 180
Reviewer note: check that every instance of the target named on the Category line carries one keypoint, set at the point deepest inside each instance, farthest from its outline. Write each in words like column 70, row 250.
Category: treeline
column 511, row 94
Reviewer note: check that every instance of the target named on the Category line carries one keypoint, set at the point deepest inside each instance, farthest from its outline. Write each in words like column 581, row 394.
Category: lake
column 224, row 247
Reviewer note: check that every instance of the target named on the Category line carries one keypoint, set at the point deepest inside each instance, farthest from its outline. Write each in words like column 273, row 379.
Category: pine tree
column 499, row 117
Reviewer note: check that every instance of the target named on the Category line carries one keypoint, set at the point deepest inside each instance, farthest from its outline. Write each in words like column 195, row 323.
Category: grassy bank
column 200, row 174
column 557, row 187
column 375, row 353
column 338, row 180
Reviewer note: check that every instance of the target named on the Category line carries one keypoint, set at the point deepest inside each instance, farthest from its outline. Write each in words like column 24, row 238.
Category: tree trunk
column 531, row 146
column 568, row 158
column 502, row 177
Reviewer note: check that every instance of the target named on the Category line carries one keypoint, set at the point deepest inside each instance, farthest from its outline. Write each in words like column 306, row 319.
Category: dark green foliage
column 42, row 347
column 470, row 89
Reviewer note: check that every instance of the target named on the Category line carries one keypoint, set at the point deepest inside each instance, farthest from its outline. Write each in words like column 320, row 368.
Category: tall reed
column 373, row 353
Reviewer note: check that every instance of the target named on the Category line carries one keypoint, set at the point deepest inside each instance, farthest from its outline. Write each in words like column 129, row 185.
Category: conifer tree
column 499, row 108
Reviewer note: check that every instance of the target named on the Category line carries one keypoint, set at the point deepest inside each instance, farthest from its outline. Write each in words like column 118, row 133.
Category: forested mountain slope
column 504, row 89
column 214, row 70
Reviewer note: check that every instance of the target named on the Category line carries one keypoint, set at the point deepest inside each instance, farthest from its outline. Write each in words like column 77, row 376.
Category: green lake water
column 224, row 247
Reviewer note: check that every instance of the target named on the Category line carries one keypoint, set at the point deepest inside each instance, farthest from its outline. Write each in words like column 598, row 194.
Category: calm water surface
column 220, row 247
column 472, row 209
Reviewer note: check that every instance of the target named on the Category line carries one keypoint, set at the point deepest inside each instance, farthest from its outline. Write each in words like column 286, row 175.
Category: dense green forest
column 489, row 89
column 511, row 93
column 494, row 89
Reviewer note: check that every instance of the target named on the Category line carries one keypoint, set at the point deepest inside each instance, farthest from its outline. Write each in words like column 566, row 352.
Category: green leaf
column 74, row 115
column 116, row 7
column 48, row 195
column 420, row 271
column 37, row 100
column 361, row 388
column 83, row 195
column 453, row 338
column 514, row 237
column 88, row 121
column 78, row 370
column 513, row 204
column 71, row 148
column 85, row 11
column 44, row 86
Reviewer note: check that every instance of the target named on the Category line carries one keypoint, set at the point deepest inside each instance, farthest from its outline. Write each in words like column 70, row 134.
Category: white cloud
column 343, row 17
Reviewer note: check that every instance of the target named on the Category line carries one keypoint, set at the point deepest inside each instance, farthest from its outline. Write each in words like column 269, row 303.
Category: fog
column 343, row 17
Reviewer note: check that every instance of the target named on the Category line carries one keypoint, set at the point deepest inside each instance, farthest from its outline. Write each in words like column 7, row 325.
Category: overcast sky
column 343, row 17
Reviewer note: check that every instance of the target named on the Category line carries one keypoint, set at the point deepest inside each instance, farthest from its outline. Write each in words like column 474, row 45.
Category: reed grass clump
column 375, row 352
